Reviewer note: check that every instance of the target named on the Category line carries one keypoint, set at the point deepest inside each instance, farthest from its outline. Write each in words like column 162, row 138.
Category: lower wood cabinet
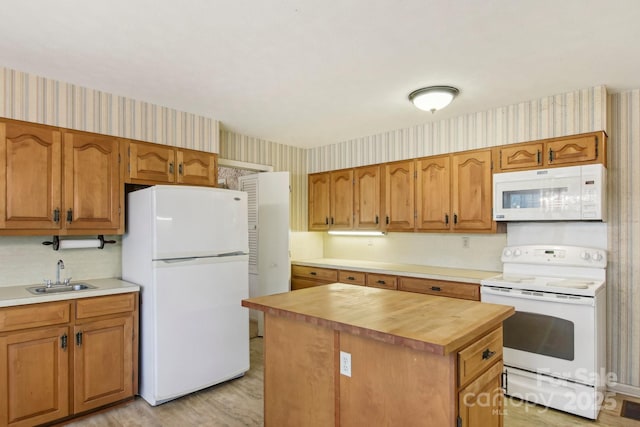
column 382, row 281
column 306, row 277
column 63, row 358
column 443, row 288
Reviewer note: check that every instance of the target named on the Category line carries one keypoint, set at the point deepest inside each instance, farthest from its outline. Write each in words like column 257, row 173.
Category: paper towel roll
column 80, row 243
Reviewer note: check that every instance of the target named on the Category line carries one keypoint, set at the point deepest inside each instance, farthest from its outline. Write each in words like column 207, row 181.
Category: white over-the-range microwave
column 556, row 194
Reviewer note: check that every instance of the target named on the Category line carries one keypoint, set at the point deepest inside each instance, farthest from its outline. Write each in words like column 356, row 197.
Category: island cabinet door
column 481, row 402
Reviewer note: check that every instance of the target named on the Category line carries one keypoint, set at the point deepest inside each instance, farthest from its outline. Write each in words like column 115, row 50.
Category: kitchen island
column 349, row 355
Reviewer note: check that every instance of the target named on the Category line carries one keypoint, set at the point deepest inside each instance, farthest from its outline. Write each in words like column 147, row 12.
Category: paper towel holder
column 55, row 242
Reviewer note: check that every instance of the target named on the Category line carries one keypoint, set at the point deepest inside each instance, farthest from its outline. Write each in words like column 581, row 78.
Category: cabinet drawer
column 383, row 281
column 468, row 291
column 34, row 315
column 301, row 283
column 477, row 357
column 352, row 277
column 101, row 306
column 327, row 274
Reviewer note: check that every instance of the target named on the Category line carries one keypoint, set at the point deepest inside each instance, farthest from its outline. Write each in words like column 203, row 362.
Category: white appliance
column 554, row 345
column 269, row 262
column 569, row 193
column 187, row 249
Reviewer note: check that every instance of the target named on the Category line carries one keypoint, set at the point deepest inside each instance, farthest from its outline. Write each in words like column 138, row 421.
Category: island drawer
column 34, row 315
column 477, row 357
column 352, row 277
column 316, row 273
column 102, row 306
column 468, row 291
column 383, row 281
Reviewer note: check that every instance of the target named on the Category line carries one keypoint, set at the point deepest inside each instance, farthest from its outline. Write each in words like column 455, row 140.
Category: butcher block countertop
column 422, row 322
column 410, row 270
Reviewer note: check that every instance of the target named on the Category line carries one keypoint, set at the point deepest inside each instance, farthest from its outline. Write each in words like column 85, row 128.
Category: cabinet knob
column 455, row 218
column 381, row 282
column 487, row 354
column 56, row 215
column 446, row 219
column 436, row 288
column 550, row 155
column 79, row 339
column 313, row 273
column 63, row 342
column 351, row 278
column 180, row 169
column 69, row 215
column 171, row 167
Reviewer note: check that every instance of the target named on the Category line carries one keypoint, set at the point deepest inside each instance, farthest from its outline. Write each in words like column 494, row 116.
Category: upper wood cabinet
column 555, row 152
column 30, row 165
column 341, row 195
column 433, row 193
column 471, row 203
column 399, row 178
column 162, row 164
column 92, row 187
column 58, row 182
column 367, row 198
column 319, row 201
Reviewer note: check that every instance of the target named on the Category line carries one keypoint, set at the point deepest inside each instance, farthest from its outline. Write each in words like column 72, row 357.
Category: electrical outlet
column 465, row 242
column 345, row 363
column 370, row 242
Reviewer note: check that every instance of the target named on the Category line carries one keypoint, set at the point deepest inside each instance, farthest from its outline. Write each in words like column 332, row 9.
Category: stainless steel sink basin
column 40, row 290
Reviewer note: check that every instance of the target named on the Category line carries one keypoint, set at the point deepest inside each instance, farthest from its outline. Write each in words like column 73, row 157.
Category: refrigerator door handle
column 234, row 253
column 176, row 260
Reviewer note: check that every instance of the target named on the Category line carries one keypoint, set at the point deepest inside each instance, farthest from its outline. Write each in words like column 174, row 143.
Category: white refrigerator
column 187, row 249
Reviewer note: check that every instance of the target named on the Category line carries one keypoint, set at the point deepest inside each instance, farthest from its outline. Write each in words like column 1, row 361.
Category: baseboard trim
column 629, row 390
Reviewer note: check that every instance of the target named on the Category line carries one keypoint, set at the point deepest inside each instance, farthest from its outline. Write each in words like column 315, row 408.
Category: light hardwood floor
column 238, row 403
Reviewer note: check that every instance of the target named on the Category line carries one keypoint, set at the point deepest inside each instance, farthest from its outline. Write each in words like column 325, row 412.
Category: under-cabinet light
column 356, row 233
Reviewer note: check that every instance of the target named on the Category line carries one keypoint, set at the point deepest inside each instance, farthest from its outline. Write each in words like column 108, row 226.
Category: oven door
column 549, row 334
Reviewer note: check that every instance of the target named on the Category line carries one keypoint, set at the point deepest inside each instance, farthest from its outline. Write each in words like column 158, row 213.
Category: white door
column 202, row 331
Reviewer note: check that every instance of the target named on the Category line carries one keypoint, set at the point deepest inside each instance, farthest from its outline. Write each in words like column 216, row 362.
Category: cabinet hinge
column 415, row 174
column 459, row 421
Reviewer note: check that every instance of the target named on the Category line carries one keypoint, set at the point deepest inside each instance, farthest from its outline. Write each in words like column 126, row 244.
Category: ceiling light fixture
column 433, row 98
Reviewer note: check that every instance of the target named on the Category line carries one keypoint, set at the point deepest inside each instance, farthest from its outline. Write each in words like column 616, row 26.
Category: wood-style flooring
column 238, row 403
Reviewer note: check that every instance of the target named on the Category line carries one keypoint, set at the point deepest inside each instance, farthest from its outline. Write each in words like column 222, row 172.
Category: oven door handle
column 516, row 294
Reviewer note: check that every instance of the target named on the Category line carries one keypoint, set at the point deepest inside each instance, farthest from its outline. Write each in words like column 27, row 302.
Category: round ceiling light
column 433, row 98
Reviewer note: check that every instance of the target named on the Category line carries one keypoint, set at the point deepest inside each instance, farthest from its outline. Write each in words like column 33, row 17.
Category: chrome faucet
column 60, row 267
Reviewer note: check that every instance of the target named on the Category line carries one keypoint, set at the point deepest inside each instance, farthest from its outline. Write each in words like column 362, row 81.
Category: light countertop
column 410, row 270
column 19, row 295
column 422, row 322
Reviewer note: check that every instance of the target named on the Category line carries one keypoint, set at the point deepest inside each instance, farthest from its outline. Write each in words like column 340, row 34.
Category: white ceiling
column 313, row 72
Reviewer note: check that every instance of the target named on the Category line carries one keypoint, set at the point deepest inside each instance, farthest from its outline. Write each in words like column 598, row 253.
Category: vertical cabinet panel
column 433, row 193
column 341, row 194
column 399, row 195
column 319, row 201
column 367, row 198
column 30, row 166
column 34, row 374
column 91, row 182
column 103, row 365
column 471, row 178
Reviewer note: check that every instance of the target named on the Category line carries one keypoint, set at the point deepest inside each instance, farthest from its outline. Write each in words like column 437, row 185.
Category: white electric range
column 555, row 344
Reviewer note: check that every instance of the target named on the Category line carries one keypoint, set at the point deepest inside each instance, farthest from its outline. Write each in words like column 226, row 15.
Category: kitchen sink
column 40, row 290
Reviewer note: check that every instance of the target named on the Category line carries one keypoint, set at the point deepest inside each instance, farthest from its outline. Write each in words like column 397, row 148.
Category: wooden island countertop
column 348, row 355
column 422, row 322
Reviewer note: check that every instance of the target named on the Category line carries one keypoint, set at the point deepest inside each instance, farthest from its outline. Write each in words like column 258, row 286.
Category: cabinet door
column 480, row 404
column 319, row 200
column 34, row 374
column 151, row 163
column 341, row 205
column 471, row 202
column 367, row 198
column 399, row 180
column 103, row 362
column 91, row 183
column 521, row 157
column 433, row 193
column 196, row 168
column 30, row 158
column 572, row 151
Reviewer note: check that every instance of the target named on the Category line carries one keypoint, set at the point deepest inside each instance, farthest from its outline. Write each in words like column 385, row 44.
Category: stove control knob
column 517, row 252
column 585, row 256
column 507, row 253
column 596, row 256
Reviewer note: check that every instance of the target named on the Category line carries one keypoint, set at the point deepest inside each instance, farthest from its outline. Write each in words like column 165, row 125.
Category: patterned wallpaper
column 623, row 270
column 41, row 100
column 283, row 158
column 559, row 115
